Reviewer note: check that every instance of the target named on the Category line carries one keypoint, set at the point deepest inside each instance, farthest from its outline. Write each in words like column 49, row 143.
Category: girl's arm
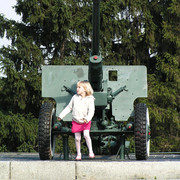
column 91, row 110
column 66, row 110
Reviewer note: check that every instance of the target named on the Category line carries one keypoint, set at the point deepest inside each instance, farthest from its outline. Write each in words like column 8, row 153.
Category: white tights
column 78, row 141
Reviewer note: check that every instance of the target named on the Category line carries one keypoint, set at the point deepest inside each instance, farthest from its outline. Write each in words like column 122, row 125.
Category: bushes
column 18, row 132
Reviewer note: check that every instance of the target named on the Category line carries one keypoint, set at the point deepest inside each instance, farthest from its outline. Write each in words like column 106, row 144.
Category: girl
column 82, row 107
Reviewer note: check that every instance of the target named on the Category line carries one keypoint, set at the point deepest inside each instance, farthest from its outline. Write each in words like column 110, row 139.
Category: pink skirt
column 76, row 127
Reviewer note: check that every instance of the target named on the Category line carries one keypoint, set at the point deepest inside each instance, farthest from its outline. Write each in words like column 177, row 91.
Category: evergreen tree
column 164, row 97
column 20, row 62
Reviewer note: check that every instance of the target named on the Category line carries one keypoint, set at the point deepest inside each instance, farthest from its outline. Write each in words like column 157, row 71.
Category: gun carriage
column 115, row 90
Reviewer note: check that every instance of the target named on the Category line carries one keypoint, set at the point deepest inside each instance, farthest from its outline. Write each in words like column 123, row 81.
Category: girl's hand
column 85, row 121
column 59, row 119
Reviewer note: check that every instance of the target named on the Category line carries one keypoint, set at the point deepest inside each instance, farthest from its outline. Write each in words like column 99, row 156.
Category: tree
column 165, row 80
column 17, row 132
column 21, row 62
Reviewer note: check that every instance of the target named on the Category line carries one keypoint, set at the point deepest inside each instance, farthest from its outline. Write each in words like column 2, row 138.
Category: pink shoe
column 91, row 156
column 78, row 157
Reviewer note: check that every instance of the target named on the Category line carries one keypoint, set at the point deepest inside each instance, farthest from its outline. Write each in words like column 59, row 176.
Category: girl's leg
column 88, row 141
column 78, row 143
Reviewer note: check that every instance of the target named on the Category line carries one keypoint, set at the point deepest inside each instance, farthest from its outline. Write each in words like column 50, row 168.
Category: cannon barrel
column 96, row 27
column 95, row 73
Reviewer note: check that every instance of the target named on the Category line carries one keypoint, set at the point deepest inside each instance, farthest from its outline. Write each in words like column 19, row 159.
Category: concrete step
column 23, row 169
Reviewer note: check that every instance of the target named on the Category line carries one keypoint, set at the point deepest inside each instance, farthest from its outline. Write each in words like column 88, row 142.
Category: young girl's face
column 80, row 90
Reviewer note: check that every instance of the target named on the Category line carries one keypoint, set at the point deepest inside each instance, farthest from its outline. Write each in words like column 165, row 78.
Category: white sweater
column 82, row 108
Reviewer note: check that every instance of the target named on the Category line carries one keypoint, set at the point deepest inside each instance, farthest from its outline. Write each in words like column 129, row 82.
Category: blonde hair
column 87, row 86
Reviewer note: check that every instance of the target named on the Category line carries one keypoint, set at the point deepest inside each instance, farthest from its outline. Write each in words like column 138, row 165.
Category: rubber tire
column 141, row 130
column 46, row 140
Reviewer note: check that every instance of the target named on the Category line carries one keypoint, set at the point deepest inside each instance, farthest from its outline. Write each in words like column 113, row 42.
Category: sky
column 6, row 8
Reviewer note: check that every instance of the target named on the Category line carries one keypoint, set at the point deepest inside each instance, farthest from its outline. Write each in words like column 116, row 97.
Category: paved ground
column 20, row 166
column 57, row 157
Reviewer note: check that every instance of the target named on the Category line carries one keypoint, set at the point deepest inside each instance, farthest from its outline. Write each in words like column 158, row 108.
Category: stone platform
column 24, row 166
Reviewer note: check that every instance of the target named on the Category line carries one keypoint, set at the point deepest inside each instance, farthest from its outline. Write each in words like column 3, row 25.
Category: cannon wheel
column 141, row 132
column 47, row 141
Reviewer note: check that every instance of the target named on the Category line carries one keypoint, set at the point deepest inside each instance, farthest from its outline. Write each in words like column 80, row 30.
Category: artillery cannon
column 115, row 117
